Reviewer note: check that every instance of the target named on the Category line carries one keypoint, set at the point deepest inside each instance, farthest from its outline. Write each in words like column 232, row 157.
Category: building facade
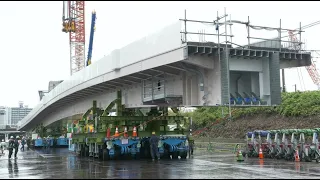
column 3, row 117
column 10, row 116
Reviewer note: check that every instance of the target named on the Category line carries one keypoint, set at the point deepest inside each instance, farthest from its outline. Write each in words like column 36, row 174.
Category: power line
column 305, row 27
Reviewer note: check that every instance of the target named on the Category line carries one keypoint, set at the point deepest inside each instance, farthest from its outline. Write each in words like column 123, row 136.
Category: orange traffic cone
column 134, row 132
column 108, row 133
column 116, row 134
column 296, row 156
column 260, row 154
column 125, row 132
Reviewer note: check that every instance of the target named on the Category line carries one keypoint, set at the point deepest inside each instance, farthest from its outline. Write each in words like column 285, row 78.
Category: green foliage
column 294, row 104
column 40, row 130
column 300, row 104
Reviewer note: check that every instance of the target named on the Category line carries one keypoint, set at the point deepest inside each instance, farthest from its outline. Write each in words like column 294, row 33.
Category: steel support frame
column 77, row 38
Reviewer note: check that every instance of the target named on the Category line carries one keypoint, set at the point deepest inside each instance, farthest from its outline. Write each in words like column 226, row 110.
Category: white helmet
column 2, row 140
column 11, row 137
column 17, row 137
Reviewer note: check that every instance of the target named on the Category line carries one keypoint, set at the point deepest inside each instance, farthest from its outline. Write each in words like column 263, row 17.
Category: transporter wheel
column 175, row 155
column 146, row 152
column 100, row 155
column 166, row 153
column 293, row 158
column 86, row 151
column 137, row 155
column 317, row 159
column 105, row 154
column 308, row 159
column 82, row 151
column 184, row 155
column 117, row 153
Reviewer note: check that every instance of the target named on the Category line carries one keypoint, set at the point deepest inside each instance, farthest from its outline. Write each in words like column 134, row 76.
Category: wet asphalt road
column 61, row 164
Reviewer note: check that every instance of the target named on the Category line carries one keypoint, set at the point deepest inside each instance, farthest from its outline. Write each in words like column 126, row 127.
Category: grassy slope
column 298, row 110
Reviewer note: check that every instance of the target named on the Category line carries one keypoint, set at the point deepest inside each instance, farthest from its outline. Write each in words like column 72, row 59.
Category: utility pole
column 227, row 59
column 283, row 81
column 216, row 22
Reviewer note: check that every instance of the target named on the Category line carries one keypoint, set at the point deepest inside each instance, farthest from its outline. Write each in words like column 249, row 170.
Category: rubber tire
column 184, row 155
column 82, row 151
column 86, row 151
column 100, row 154
column 137, row 156
column 105, row 155
column 175, row 155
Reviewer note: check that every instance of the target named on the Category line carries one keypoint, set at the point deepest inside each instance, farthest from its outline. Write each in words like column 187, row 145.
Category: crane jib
column 92, row 29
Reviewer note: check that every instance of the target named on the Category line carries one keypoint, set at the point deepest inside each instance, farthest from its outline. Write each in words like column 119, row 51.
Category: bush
column 294, row 104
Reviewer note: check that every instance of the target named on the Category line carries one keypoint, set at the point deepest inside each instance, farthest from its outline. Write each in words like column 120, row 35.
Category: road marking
column 266, row 172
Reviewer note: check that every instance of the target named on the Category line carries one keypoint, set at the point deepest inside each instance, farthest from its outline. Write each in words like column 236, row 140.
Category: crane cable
column 304, row 87
column 299, row 78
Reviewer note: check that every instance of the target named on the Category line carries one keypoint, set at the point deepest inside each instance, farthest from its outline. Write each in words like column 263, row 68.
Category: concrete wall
column 255, row 84
column 131, row 97
column 264, row 81
column 241, row 81
column 241, row 64
column 211, row 94
column 164, row 40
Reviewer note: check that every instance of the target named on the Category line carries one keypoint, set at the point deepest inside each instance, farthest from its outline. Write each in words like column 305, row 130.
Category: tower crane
column 312, row 70
column 73, row 22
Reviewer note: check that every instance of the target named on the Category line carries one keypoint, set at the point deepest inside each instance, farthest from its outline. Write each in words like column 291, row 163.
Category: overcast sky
column 34, row 51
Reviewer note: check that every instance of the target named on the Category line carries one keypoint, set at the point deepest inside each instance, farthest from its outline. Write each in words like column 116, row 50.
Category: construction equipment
column 92, row 30
column 73, row 22
column 56, row 140
column 109, row 137
column 284, row 149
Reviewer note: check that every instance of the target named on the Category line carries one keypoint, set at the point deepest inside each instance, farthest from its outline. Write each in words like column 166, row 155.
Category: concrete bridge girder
column 254, row 72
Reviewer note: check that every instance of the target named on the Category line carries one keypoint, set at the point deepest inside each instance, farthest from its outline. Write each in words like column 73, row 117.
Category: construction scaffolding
column 293, row 44
column 221, row 24
column 278, row 44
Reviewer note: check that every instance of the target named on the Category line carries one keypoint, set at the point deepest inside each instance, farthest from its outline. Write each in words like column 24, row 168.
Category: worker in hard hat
column 154, row 140
column 191, row 143
column 48, row 142
column 3, row 145
column 11, row 146
column 16, row 146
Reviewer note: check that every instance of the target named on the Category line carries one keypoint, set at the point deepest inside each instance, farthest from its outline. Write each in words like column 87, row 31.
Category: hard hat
column 2, row 140
column 11, row 137
column 17, row 137
column 153, row 132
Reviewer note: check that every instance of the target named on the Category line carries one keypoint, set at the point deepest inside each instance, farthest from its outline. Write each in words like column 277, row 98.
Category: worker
column 191, row 143
column 154, row 140
column 23, row 142
column 11, row 146
column 28, row 143
column 48, row 142
column 44, row 142
column 16, row 146
column 3, row 146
